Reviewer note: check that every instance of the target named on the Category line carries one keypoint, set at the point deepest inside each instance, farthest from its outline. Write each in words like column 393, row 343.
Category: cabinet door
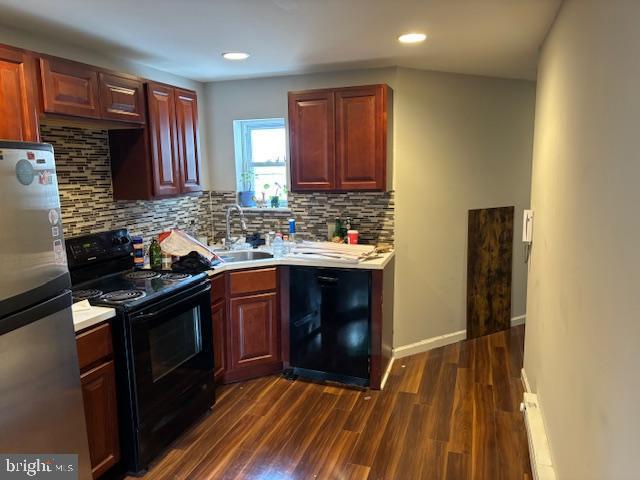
column 218, row 317
column 361, row 138
column 312, row 140
column 162, row 137
column 18, row 114
column 101, row 414
column 254, row 330
column 188, row 140
column 69, row 88
column 121, row 98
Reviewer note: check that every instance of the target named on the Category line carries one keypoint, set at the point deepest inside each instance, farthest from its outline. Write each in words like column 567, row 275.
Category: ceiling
column 482, row 37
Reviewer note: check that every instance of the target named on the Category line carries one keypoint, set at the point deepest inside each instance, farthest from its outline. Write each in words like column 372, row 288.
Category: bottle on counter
column 155, row 255
column 338, row 230
column 167, row 261
column 138, row 251
column 292, row 230
column 278, row 246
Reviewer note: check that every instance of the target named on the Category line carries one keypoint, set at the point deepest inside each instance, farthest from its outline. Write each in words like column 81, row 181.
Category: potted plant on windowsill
column 247, row 197
column 275, row 199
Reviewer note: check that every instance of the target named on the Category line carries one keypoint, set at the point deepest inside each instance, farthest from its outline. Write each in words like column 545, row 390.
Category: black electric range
column 163, row 342
column 132, row 289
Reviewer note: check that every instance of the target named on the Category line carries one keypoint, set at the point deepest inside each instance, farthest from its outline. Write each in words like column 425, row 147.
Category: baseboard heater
column 539, row 453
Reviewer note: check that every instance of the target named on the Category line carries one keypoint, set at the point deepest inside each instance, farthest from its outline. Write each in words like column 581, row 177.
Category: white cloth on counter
column 81, row 306
column 334, row 251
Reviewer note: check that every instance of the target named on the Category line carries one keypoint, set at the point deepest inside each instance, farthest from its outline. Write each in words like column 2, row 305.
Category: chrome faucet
column 243, row 224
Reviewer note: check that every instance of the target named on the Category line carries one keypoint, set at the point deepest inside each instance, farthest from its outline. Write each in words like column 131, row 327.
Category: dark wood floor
column 450, row 413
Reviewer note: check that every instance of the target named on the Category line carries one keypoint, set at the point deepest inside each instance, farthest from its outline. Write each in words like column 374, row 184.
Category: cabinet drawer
column 250, row 281
column 217, row 288
column 94, row 345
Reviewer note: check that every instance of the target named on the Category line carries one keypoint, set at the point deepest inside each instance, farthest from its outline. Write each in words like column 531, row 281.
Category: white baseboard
column 539, row 451
column 429, row 344
column 441, row 340
column 386, row 373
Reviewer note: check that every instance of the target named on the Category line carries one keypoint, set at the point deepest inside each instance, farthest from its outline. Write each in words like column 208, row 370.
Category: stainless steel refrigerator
column 41, row 407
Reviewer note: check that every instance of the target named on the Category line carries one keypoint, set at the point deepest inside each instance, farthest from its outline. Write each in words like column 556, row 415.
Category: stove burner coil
column 141, row 275
column 174, row 277
column 87, row 294
column 121, row 296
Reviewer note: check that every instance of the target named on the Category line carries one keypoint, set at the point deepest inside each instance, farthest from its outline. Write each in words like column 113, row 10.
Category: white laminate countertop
column 305, row 261
column 88, row 318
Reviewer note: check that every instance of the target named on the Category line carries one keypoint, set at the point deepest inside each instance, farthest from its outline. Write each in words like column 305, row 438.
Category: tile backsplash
column 372, row 214
column 86, row 195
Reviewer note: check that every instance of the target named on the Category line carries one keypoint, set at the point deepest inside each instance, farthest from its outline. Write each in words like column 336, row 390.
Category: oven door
column 172, row 352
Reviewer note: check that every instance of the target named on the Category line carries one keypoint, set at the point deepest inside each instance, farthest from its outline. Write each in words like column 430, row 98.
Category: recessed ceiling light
column 412, row 37
column 235, row 55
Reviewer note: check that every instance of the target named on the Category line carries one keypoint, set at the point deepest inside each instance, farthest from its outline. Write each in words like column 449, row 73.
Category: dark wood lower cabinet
column 101, row 415
column 245, row 313
column 254, row 330
column 98, row 380
column 218, row 319
column 250, row 315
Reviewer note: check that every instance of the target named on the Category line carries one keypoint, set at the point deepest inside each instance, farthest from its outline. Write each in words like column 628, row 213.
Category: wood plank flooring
column 450, row 413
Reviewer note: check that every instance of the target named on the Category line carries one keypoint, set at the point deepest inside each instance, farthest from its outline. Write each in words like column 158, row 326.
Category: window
column 261, row 168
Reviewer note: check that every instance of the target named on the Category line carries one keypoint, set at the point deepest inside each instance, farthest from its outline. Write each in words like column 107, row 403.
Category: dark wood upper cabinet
column 154, row 138
column 163, row 139
column 82, row 91
column 338, row 138
column 121, row 98
column 188, row 140
column 361, row 135
column 69, row 88
column 162, row 159
column 312, row 140
column 18, row 111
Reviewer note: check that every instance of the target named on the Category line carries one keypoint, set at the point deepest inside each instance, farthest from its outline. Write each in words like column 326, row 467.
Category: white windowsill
column 267, row 209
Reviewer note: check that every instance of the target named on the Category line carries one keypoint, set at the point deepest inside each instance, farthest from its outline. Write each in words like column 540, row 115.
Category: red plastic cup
column 352, row 237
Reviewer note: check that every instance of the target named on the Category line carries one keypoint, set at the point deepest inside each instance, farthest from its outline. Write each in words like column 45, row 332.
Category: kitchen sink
column 244, row 256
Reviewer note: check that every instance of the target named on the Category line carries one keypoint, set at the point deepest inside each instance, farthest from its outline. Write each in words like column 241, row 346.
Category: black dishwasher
column 330, row 334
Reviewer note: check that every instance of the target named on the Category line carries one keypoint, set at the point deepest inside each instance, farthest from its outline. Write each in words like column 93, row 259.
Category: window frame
column 243, row 149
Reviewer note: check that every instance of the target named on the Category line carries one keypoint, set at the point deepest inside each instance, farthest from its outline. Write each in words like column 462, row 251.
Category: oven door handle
column 155, row 313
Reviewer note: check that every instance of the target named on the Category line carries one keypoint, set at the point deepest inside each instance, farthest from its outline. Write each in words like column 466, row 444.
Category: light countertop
column 305, row 261
column 88, row 318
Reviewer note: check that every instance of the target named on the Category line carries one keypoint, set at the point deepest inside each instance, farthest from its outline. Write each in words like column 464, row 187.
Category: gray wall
column 460, row 142
column 581, row 347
